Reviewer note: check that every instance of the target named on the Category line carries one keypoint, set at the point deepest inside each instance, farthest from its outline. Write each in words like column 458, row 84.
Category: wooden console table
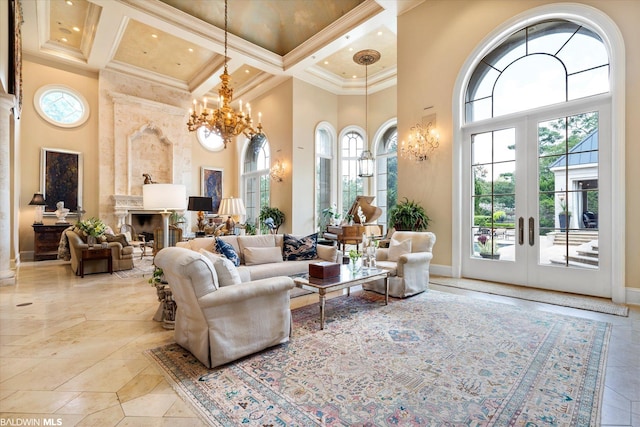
column 96, row 253
column 46, row 239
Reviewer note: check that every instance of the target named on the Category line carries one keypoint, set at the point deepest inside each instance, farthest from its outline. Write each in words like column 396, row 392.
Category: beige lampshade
column 231, row 206
column 167, row 197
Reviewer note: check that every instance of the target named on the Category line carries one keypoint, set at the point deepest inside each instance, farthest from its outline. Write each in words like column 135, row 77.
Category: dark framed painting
column 15, row 54
column 61, row 179
column 211, row 179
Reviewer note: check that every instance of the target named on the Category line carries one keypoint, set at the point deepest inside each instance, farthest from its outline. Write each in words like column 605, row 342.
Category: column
column 7, row 276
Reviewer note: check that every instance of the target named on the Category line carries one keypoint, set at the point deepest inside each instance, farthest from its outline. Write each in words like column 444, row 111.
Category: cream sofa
column 121, row 256
column 221, row 324
column 408, row 263
column 253, row 264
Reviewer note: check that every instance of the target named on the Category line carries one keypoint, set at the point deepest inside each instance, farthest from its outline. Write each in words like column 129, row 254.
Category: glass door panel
column 568, row 191
column 493, row 168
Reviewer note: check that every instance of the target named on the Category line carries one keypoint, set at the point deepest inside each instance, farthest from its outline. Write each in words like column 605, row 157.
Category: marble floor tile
column 76, row 352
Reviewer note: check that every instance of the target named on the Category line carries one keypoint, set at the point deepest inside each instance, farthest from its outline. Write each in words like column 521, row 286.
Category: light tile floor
column 71, row 352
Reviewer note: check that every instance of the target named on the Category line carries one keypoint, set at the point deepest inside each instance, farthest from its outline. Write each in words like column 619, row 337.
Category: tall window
column 324, row 166
column 255, row 177
column 387, row 172
column 351, row 147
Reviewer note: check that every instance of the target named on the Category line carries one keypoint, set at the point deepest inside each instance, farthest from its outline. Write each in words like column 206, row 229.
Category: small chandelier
column 422, row 141
column 366, row 160
column 277, row 171
column 224, row 121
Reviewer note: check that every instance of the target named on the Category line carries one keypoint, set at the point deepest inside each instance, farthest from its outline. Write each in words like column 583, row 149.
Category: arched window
column 387, row 172
column 351, row 146
column 255, row 177
column 543, row 64
column 537, row 151
column 324, row 170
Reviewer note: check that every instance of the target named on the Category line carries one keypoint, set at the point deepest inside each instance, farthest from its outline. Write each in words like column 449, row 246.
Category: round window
column 61, row 106
column 209, row 140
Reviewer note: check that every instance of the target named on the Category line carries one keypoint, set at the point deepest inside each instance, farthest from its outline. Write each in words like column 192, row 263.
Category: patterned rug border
column 191, row 394
column 141, row 268
column 582, row 302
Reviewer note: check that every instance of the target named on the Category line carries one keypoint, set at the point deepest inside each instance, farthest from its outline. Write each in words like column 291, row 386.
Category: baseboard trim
column 632, row 296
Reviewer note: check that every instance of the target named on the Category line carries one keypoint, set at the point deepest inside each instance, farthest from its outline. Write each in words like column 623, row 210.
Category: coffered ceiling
column 181, row 42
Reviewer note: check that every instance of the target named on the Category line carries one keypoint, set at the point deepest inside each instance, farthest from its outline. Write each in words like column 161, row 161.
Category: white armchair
column 221, row 324
column 407, row 258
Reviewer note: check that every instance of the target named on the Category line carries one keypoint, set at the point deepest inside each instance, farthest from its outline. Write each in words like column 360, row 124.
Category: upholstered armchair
column 121, row 256
column 407, row 258
column 219, row 324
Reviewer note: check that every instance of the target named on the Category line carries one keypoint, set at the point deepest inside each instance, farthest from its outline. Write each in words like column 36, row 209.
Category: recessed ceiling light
column 69, row 2
column 155, row 36
column 76, row 29
column 354, row 76
column 64, row 39
column 379, row 33
column 190, row 49
column 350, row 49
column 326, row 62
column 247, row 71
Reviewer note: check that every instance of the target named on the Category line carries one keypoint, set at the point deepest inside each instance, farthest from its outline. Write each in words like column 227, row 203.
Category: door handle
column 531, row 230
column 521, row 231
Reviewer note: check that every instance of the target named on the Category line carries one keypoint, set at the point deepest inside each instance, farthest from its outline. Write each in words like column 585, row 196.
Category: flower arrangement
column 92, row 227
column 487, row 246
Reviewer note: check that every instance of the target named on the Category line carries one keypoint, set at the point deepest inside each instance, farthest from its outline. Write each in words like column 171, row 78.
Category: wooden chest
column 46, row 239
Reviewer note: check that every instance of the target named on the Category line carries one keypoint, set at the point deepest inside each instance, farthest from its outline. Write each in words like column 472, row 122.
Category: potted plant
column 408, row 215
column 487, row 247
column 330, row 216
column 275, row 214
column 564, row 217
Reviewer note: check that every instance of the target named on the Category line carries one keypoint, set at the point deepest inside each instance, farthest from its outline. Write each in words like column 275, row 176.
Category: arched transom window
column 543, row 64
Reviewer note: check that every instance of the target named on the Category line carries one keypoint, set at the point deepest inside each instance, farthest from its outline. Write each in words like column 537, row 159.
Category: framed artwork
column 15, row 54
column 61, row 179
column 211, row 179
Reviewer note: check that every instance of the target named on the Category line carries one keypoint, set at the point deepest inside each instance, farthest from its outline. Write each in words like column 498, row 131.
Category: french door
column 536, row 210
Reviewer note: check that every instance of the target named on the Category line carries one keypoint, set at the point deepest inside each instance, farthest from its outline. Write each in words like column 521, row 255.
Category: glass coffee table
column 347, row 279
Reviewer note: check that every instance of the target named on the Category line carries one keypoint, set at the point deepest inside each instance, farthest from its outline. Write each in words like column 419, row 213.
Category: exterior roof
column 583, row 153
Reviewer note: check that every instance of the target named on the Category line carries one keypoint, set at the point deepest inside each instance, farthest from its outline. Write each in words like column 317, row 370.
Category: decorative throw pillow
column 397, row 249
column 295, row 249
column 120, row 238
column 80, row 233
column 328, row 253
column 227, row 250
column 262, row 255
column 226, row 271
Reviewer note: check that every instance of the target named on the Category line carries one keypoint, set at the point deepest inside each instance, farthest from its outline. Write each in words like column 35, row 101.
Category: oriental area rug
column 435, row 359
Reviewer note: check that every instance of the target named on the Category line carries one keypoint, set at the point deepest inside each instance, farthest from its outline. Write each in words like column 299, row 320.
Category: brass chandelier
column 224, row 121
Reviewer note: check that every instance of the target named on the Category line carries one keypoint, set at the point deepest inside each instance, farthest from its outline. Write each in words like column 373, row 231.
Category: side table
column 93, row 254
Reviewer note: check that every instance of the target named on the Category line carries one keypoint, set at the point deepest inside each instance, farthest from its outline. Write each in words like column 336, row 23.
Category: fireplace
column 145, row 222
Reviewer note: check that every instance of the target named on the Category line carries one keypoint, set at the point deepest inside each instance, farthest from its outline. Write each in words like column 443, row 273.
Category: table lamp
column 202, row 205
column 164, row 198
column 231, row 207
column 38, row 201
